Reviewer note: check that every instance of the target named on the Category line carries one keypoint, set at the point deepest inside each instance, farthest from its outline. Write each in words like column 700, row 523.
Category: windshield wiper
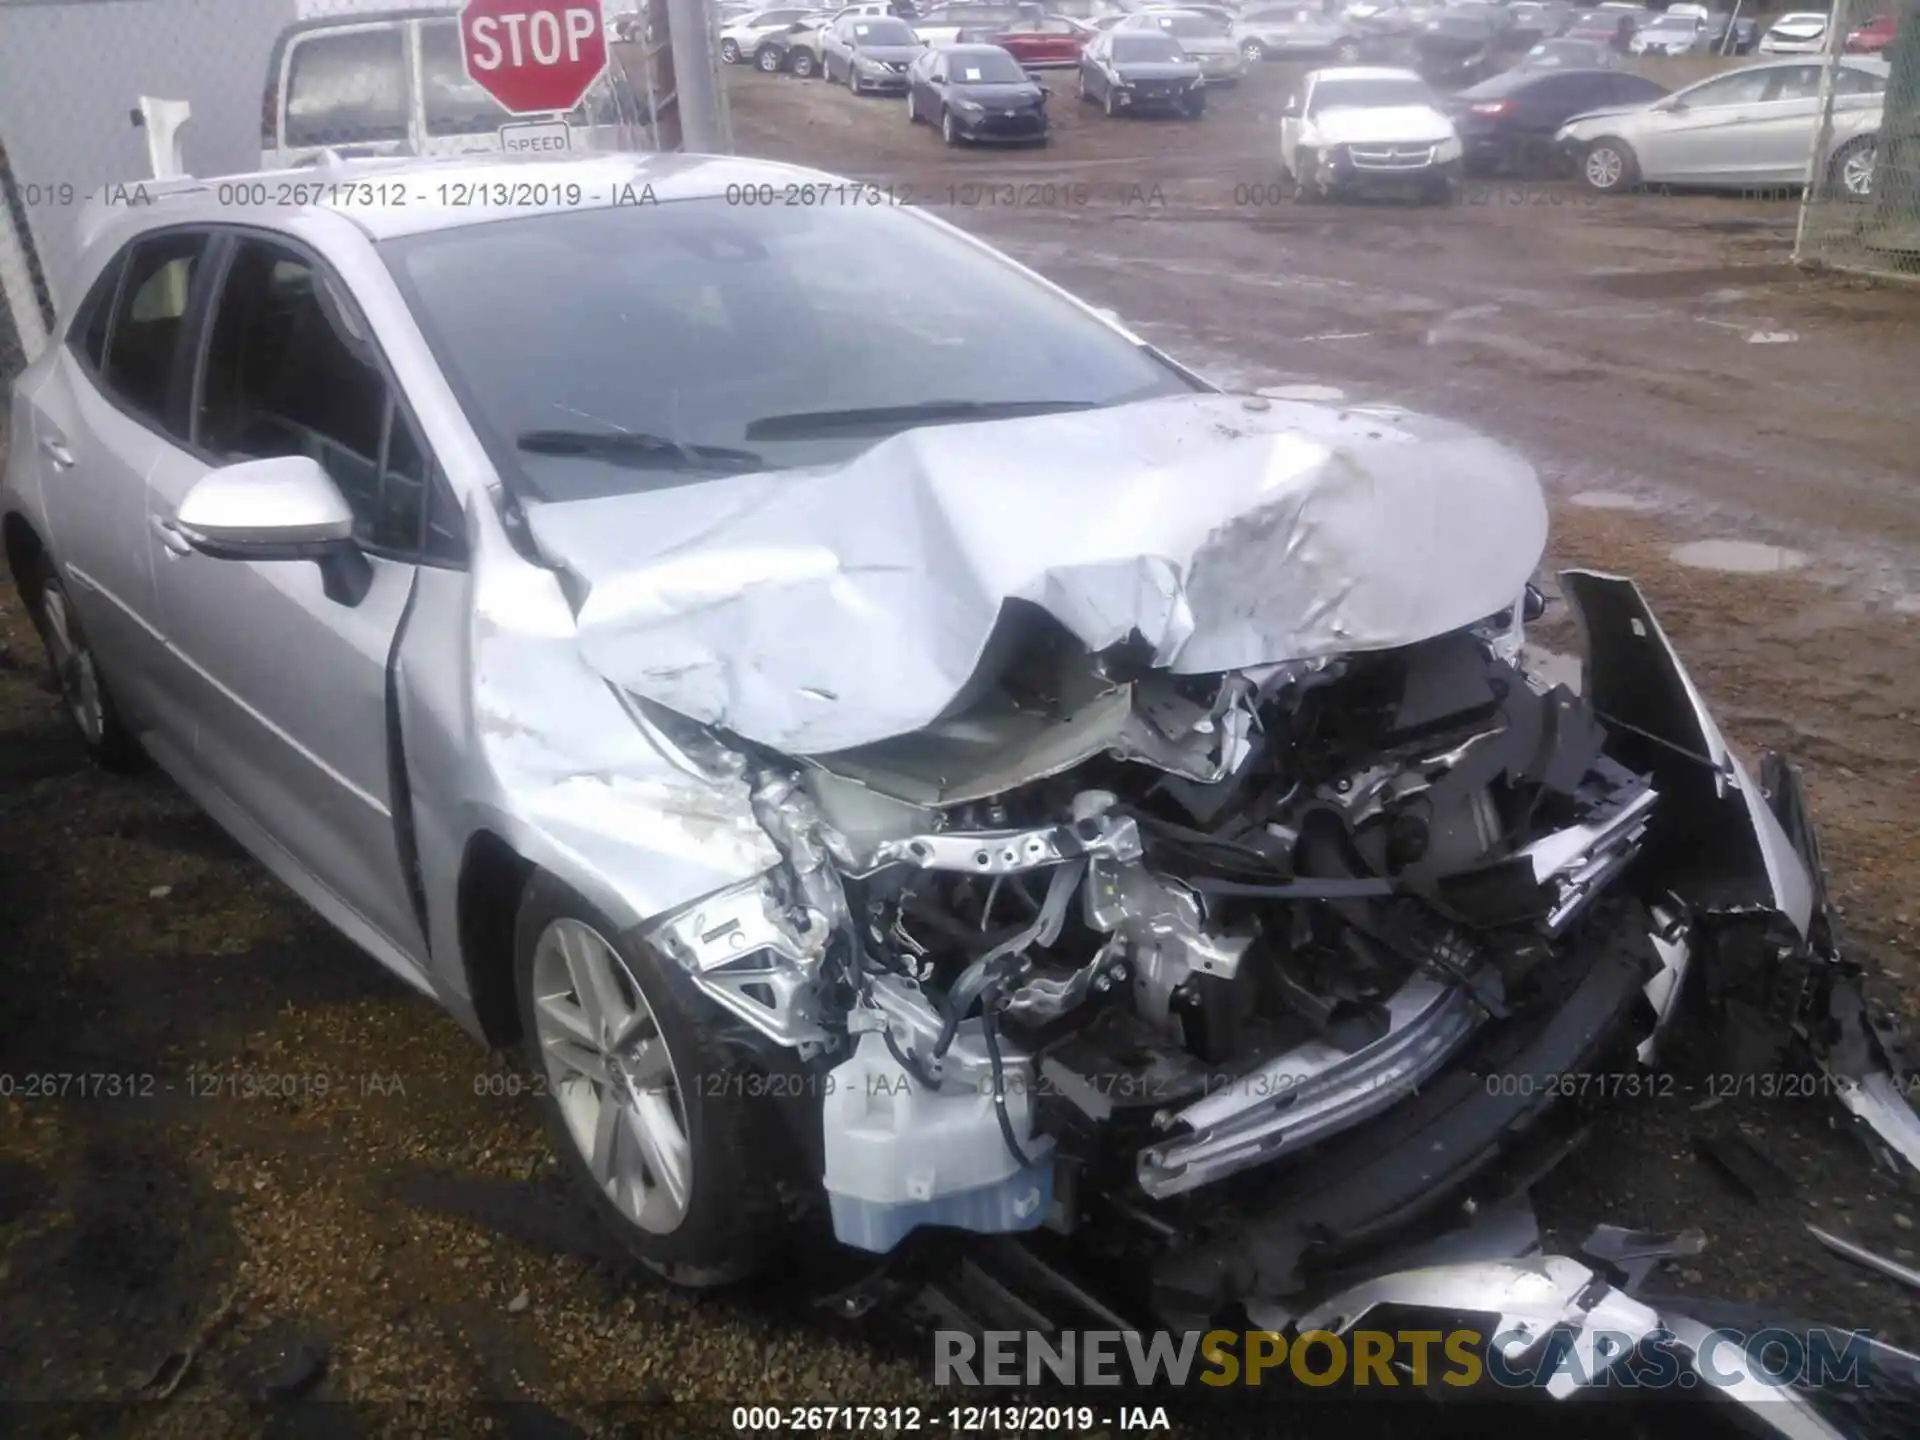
column 638, row 449
column 813, row 423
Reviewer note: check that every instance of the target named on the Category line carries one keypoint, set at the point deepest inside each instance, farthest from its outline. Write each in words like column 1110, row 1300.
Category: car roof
column 389, row 198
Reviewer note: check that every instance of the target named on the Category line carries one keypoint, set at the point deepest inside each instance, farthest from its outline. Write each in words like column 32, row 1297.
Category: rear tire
column 803, row 64
column 1253, row 52
column 1610, row 166
column 636, row 1068
column 84, row 692
column 1850, row 172
column 1347, row 52
column 729, row 52
column 767, row 60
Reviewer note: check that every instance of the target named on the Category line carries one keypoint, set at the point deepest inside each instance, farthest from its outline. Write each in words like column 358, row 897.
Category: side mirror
column 285, row 508
column 1535, row 604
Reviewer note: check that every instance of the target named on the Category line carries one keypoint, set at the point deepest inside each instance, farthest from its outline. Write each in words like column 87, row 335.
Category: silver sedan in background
column 1749, row 127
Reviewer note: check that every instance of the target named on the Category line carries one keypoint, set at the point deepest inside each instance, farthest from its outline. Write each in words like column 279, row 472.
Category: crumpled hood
column 1411, row 124
column 817, row 610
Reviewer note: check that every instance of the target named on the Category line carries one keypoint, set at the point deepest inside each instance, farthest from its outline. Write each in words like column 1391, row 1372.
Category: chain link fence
column 271, row 84
column 1861, row 209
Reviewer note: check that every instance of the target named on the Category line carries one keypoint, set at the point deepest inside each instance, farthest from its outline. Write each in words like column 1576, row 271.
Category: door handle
column 57, row 452
column 170, row 536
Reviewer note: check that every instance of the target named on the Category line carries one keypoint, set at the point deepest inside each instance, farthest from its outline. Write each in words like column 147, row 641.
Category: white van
column 394, row 83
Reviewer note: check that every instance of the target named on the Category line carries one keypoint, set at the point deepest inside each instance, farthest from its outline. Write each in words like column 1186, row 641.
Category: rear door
column 108, row 411
column 284, row 674
column 1780, row 129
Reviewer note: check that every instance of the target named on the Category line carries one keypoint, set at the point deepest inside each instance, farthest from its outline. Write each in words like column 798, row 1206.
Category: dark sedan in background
column 1131, row 71
column 1507, row 123
column 977, row 92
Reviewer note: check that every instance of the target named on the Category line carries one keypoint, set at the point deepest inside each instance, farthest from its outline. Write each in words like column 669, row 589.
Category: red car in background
column 1051, row 40
column 1874, row 36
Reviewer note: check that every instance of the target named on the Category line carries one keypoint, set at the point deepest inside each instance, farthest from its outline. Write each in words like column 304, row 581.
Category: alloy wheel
column 1856, row 173
column 612, row 1075
column 73, row 667
column 1604, row 167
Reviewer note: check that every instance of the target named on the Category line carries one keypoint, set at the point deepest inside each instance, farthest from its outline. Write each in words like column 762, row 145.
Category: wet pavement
column 294, row 1171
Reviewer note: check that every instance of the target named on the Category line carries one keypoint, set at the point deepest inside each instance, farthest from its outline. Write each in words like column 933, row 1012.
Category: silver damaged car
column 958, row 773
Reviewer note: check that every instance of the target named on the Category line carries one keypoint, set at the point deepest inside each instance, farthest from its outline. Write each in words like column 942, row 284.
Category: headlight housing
column 868, row 62
column 969, row 107
column 1448, row 150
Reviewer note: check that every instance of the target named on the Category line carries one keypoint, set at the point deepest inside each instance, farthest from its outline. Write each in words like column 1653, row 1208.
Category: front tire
column 1609, row 166
column 638, row 1096
column 1253, row 52
column 76, row 672
column 949, row 132
column 1106, row 103
column 767, row 60
column 1347, row 52
column 729, row 52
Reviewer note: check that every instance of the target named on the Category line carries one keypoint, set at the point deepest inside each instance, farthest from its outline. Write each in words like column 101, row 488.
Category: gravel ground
column 304, row 1167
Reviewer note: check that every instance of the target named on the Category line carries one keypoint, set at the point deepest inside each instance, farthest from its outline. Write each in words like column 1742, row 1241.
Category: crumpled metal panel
column 820, row 610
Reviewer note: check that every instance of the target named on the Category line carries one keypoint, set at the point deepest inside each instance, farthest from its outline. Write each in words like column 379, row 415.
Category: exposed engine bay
column 1103, row 929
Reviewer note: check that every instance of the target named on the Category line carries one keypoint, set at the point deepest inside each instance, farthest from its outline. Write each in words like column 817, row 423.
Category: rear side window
column 144, row 339
column 95, row 316
column 347, row 88
column 1849, row 81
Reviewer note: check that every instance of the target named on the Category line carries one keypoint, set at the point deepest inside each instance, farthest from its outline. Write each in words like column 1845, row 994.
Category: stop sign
column 535, row 57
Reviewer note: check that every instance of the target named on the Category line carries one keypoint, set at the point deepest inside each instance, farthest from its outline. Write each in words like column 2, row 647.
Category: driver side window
column 289, row 370
column 1746, row 88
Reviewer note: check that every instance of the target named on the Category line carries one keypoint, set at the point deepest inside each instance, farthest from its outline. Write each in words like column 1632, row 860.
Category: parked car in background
column 1613, row 27
column 741, row 38
column 1127, row 71
column 1747, row 128
column 795, row 51
column 1507, row 123
column 976, row 92
column 1368, row 127
column 1293, row 32
column 1804, row 32
column 1566, row 54
column 1874, row 36
column 869, row 54
column 1456, row 47
column 1049, row 42
column 1670, row 34
column 1539, row 19
column 942, row 25
column 1204, row 37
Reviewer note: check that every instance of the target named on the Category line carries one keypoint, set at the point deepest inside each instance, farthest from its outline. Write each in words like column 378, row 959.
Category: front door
column 285, row 675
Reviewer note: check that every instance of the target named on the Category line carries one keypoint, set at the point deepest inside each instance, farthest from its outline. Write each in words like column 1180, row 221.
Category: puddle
column 1610, row 500
column 1738, row 557
column 1325, row 393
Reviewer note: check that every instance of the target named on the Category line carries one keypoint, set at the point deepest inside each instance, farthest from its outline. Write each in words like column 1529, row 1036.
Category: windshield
column 884, row 32
column 1147, row 48
column 1331, row 94
column 690, row 326
column 990, row 67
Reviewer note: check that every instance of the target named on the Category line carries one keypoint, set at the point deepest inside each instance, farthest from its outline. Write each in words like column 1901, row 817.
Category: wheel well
column 23, row 547
column 492, row 878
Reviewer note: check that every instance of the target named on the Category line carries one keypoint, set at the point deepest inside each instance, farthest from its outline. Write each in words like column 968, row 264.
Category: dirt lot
column 304, row 1159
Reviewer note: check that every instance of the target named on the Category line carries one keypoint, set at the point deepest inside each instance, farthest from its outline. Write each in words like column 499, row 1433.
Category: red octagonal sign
column 536, row 57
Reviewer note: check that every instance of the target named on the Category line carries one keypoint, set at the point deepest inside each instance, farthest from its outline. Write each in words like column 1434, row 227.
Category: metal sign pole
column 696, row 74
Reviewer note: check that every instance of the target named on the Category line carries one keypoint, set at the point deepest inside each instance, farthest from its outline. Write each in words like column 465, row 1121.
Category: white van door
column 342, row 88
